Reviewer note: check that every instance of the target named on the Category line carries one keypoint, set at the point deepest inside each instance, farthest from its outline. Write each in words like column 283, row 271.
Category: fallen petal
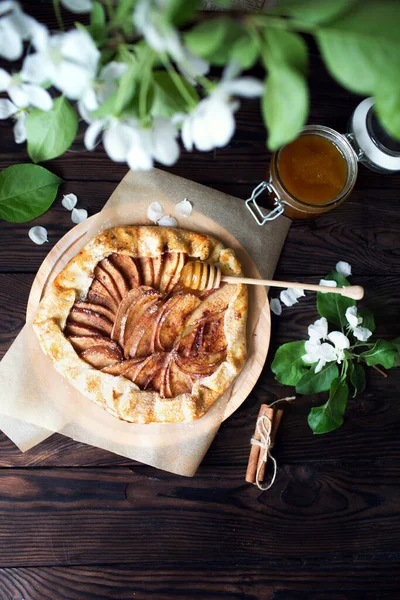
column 155, row 212
column 69, row 201
column 184, row 208
column 343, row 268
column 78, row 215
column 38, row 235
column 276, row 306
column 289, row 296
column 168, row 221
column 328, row 283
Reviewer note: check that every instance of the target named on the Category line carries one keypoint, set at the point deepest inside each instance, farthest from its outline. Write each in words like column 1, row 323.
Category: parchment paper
column 36, row 401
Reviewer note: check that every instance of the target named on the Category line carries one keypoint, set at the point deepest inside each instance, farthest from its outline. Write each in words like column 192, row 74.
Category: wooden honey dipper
column 203, row 276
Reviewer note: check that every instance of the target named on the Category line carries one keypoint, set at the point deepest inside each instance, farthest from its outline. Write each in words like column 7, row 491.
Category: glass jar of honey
column 311, row 175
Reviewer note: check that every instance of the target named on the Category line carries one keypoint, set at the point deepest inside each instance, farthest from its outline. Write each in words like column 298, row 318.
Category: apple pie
column 119, row 325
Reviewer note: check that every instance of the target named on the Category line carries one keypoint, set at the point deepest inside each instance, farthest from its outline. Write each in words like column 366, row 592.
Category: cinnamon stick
column 275, row 424
column 255, row 451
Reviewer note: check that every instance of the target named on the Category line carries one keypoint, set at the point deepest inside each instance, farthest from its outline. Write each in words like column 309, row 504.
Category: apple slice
column 212, row 305
column 146, row 268
column 144, row 323
column 173, row 320
column 131, row 298
column 138, row 308
column 84, row 342
column 123, row 367
column 99, row 308
column 90, row 319
column 101, row 356
column 214, row 334
column 177, row 273
column 157, row 268
column 179, row 382
column 108, row 282
column 116, row 275
column 202, row 364
column 152, row 367
column 98, row 294
column 79, row 329
column 128, row 268
column 170, row 262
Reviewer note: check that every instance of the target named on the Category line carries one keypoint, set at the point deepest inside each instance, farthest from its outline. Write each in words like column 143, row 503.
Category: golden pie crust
column 203, row 349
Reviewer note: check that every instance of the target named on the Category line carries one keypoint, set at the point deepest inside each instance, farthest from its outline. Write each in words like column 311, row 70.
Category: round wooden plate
column 259, row 322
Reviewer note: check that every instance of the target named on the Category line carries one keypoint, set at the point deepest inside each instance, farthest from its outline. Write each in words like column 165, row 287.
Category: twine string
column 264, row 428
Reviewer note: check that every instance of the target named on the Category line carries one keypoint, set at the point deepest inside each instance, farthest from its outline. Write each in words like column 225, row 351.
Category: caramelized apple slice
column 213, row 304
column 99, row 308
column 147, row 373
column 123, row 367
column 101, row 356
column 138, row 308
column 90, row 319
column 143, row 323
column 214, row 334
column 147, row 343
column 116, row 275
column 178, row 382
column 173, row 320
column 157, row 267
column 128, row 268
column 98, row 294
column 201, row 364
column 146, row 268
column 177, row 273
column 83, row 342
column 170, row 263
column 130, row 299
column 79, row 329
column 108, row 282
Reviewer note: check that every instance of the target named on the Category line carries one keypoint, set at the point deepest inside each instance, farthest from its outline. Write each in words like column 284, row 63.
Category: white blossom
column 291, row 295
column 319, row 329
column 327, row 283
column 38, row 235
column 155, row 212
column 360, row 333
column 78, row 215
column 184, row 208
column 276, row 306
column 321, row 352
column 155, row 28
column 100, row 89
column 69, row 201
column 78, row 6
column 343, row 268
column 341, row 342
column 9, row 109
column 15, row 28
column 69, row 60
column 24, row 94
column 211, row 124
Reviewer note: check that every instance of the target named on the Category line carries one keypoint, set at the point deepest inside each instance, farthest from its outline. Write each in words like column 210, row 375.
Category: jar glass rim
column 345, row 148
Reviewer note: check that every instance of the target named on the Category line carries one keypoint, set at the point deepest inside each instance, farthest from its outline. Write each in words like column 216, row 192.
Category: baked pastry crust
column 115, row 393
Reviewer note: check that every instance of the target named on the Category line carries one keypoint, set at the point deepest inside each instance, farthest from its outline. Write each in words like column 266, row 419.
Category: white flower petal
column 8, row 6
column 290, row 296
column 78, row 6
column 89, row 100
column 339, row 339
column 18, row 95
column 352, row 317
column 362, row 333
column 248, row 87
column 38, row 97
column 5, row 80
column 168, row 221
column 20, row 129
column 39, row 35
column 7, row 108
column 319, row 329
column 79, row 48
column 327, row 283
column 165, row 148
column 71, row 79
column 139, row 159
column 93, row 133
column 38, row 235
column 78, row 215
column 276, row 307
column 320, row 365
column 118, row 140
column 11, row 46
column 184, row 208
column 112, row 71
column 69, row 201
column 187, row 133
column 343, row 268
column 155, row 212
column 37, row 68
column 327, row 352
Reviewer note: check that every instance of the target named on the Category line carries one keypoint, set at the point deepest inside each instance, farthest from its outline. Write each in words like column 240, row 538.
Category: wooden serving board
column 259, row 322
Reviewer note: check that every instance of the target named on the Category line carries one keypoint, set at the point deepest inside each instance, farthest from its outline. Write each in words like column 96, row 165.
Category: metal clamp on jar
column 317, row 171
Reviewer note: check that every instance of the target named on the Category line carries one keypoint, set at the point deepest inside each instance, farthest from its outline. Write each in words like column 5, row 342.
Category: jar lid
column 377, row 147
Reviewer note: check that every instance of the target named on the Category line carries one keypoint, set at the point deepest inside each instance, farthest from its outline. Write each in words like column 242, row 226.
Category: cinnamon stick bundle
column 256, row 463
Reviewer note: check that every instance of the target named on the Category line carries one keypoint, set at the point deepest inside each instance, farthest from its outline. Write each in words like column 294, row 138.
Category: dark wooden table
column 77, row 522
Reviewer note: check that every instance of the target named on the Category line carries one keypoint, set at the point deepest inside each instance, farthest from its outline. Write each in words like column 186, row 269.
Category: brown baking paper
column 36, row 401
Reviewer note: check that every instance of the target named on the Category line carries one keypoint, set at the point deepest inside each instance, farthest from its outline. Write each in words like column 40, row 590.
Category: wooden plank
column 107, row 516
column 213, row 581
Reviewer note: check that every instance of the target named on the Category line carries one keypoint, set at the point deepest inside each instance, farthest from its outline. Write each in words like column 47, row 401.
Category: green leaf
column 167, row 98
column 312, row 11
column 98, row 29
column 329, row 416
column 288, row 364
column 361, row 48
column 107, row 108
column 382, row 353
column 214, row 39
column 368, row 318
column 357, row 378
column 246, row 51
column 51, row 133
column 396, row 344
column 285, row 48
column 314, row 383
column 387, row 107
column 181, row 11
column 333, row 306
column 123, row 11
column 26, row 191
column 284, row 105
column 126, row 90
